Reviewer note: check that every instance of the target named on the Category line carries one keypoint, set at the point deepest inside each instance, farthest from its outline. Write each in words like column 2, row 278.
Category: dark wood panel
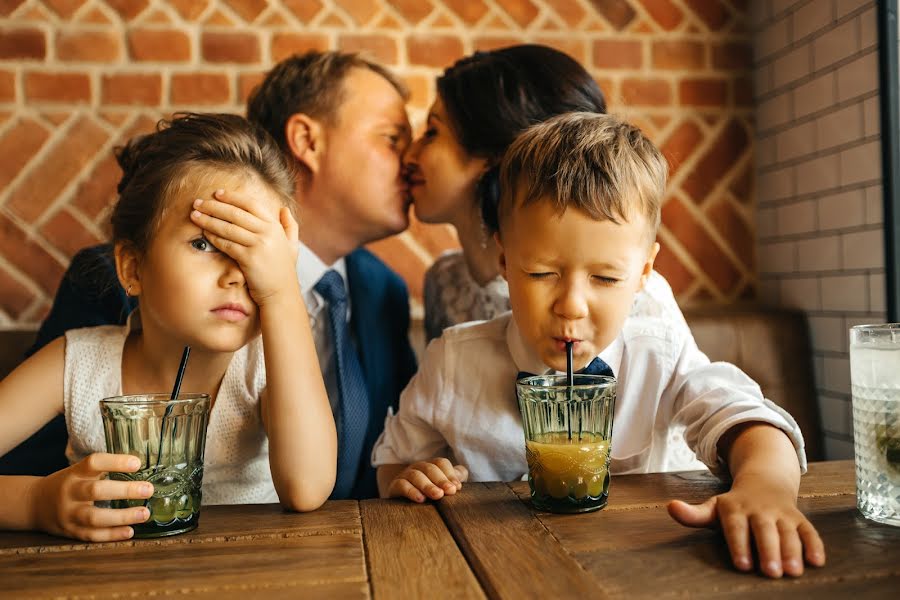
column 341, row 590
column 511, row 552
column 883, row 588
column 253, row 521
column 411, row 554
column 303, row 563
column 674, row 560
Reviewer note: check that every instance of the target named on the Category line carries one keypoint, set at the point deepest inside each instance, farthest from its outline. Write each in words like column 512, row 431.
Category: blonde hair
column 589, row 161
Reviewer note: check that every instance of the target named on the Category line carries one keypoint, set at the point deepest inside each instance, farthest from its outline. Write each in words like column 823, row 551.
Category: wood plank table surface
column 486, row 542
column 346, row 549
column 633, row 549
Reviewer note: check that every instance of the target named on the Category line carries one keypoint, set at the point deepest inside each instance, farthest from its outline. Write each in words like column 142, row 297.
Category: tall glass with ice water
column 875, row 382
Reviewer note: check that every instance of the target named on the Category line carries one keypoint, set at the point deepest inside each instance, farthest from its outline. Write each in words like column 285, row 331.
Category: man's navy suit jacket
column 90, row 295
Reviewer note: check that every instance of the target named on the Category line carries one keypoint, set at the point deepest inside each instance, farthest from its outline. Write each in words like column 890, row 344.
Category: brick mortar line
column 66, row 194
column 764, row 134
column 699, row 274
column 53, row 133
column 816, row 74
column 740, row 266
column 674, row 246
column 808, row 157
column 16, row 274
column 33, row 230
column 841, row 189
column 784, row 202
column 777, row 16
column 829, row 273
column 817, row 235
column 811, row 37
column 819, row 275
column 818, row 193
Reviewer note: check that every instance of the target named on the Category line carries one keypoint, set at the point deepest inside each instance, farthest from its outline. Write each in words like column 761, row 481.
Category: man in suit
column 342, row 123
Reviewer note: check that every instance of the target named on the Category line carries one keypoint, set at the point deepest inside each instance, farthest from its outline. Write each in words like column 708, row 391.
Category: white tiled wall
column 819, row 223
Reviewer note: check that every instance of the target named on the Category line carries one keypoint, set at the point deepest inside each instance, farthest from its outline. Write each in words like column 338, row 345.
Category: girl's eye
column 539, row 275
column 429, row 133
column 203, row 245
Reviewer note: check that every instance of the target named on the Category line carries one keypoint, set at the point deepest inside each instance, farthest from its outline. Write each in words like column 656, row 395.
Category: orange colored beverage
column 568, row 475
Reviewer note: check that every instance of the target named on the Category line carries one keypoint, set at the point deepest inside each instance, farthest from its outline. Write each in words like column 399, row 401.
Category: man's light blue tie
column 354, row 402
column 596, row 367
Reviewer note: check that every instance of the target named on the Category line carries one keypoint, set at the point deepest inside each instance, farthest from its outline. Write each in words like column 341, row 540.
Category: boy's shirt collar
column 526, row 359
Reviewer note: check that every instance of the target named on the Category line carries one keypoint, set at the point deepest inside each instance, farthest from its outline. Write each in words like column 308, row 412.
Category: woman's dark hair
column 154, row 165
column 492, row 97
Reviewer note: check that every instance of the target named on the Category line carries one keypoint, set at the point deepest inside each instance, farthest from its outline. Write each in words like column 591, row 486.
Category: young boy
column 578, row 220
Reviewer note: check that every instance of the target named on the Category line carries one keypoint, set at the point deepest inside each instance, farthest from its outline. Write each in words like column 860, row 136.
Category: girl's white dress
column 236, row 463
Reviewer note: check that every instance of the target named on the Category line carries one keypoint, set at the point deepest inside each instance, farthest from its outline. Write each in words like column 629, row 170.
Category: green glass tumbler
column 169, row 436
column 568, row 431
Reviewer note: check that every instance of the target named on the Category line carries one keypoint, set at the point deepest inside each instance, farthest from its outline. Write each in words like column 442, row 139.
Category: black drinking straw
column 180, row 376
column 175, row 390
column 570, row 381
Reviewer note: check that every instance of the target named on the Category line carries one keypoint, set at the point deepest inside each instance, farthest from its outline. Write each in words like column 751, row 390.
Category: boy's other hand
column 63, row 503
column 756, row 508
column 432, row 479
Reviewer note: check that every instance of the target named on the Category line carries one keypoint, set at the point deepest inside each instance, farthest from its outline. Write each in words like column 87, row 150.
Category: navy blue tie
column 354, row 402
column 596, row 367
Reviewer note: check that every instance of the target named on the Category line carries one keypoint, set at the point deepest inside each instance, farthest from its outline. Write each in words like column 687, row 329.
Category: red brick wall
column 78, row 77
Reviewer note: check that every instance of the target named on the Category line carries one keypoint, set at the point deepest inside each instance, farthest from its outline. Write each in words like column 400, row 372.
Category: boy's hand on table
column 432, row 479
column 762, row 510
column 63, row 502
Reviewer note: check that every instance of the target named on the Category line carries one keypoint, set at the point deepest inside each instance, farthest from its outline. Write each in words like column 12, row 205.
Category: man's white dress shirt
column 462, row 403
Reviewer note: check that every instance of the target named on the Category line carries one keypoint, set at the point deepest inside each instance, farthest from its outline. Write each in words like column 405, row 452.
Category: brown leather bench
column 772, row 346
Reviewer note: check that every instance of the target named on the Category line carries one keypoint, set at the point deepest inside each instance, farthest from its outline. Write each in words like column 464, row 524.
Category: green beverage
column 567, row 440
column 169, row 436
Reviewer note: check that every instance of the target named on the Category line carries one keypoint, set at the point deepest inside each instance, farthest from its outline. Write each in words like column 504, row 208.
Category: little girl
column 204, row 236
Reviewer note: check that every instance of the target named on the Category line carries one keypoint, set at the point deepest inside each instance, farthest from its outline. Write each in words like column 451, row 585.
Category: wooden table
column 633, row 549
column 484, row 543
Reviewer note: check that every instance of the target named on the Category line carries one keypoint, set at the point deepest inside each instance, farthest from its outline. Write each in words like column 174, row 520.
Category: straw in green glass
column 570, row 381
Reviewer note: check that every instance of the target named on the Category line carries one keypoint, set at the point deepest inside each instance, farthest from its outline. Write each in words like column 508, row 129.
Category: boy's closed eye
column 540, row 274
column 603, row 280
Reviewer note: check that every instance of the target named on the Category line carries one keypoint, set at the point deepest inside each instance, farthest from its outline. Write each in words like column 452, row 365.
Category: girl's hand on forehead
column 263, row 243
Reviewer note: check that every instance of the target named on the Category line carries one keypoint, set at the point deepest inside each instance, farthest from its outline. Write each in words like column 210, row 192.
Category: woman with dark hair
column 483, row 103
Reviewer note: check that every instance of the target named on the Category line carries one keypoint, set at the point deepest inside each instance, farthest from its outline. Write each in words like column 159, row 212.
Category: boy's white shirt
column 462, row 404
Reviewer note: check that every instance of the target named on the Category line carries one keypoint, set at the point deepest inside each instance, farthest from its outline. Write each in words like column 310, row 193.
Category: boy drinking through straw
column 579, row 210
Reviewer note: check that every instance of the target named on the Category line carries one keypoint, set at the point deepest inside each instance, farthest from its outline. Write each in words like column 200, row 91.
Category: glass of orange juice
column 568, row 430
